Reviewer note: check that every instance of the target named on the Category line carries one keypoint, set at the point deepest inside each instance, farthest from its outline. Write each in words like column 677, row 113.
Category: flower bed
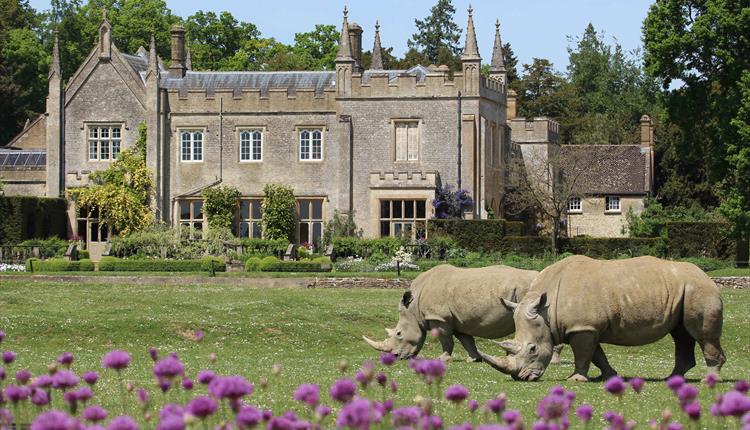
column 64, row 399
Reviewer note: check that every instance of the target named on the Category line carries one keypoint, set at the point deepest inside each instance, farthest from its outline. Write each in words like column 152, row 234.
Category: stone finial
column 54, row 67
column 153, row 59
column 498, row 56
column 104, row 14
column 189, row 59
column 471, row 52
column 377, row 51
column 345, row 48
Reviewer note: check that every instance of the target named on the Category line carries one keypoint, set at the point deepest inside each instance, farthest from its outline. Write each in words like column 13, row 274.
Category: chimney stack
column 511, row 104
column 177, row 67
column 355, row 41
column 647, row 131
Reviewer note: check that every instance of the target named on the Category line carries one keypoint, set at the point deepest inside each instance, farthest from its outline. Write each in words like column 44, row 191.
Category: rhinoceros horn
column 391, row 332
column 499, row 363
column 380, row 346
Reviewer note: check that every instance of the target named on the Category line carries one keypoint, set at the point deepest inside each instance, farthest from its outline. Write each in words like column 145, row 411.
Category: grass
column 729, row 272
column 383, row 275
column 309, row 332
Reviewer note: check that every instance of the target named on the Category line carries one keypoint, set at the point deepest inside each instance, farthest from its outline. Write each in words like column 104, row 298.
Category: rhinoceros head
column 530, row 352
column 407, row 339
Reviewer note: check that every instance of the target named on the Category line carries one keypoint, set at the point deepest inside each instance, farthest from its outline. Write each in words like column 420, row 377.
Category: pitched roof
column 24, row 159
column 608, row 169
column 239, row 80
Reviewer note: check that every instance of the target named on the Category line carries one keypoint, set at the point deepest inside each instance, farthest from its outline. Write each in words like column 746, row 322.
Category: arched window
column 191, row 146
column 311, row 144
column 251, row 145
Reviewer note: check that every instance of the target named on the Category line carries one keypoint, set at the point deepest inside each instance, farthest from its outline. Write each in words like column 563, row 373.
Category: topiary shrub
column 219, row 206
column 252, row 264
column 218, row 264
column 700, row 239
column 58, row 265
column 112, row 264
column 278, row 212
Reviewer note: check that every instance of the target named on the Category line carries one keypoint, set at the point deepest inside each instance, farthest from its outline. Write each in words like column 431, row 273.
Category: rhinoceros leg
column 470, row 346
column 600, row 360
column 583, row 344
column 445, row 336
column 684, row 350
column 556, row 350
column 703, row 319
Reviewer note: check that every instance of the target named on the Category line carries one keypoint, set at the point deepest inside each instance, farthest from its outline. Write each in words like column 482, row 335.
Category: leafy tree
column 341, row 225
column 122, row 193
column 540, row 90
column 436, row 31
column 219, row 206
column 655, row 216
column 316, row 50
column 278, row 212
column 450, row 203
column 215, row 40
column 701, row 52
column 511, row 63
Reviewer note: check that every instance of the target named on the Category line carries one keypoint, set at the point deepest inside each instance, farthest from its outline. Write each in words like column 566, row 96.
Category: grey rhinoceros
column 457, row 302
column 584, row 302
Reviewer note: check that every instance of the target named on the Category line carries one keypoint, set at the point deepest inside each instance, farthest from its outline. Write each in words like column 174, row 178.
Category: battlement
column 422, row 83
column 534, row 130
column 255, row 99
column 403, row 179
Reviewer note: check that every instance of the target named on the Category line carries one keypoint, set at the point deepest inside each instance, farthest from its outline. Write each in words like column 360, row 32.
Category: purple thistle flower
column 693, row 410
column 615, row 385
column 143, row 396
column 472, row 404
column 406, row 417
column 205, row 376
column 153, row 353
column 492, row 427
column 201, row 407
column 734, row 403
column 687, row 393
column 171, row 409
column 585, row 412
column 84, row 394
column 323, row 411
column 16, row 394
column 429, row 370
column 64, row 379
column 187, row 384
column 123, row 422
column 674, row 426
column 343, row 390
column 742, row 386
column 198, row 335
column 90, row 377
column 497, row 404
column 2, row 374
column 381, row 379
column 357, row 414
column 462, row 426
column 511, row 416
column 94, row 414
column 23, row 376
column 248, row 417
column 164, row 384
column 66, row 359
column 9, row 357
column 362, row 378
column 433, row 422
column 116, row 359
column 711, row 380
column 169, row 367
column 637, row 384
column 6, row 418
column 388, row 405
column 552, row 407
column 171, row 423
column 42, row 381
column 394, row 386
column 71, row 398
column 54, row 420
column 456, row 393
column 39, row 397
column 2, row 336
column 675, row 382
column 614, row 419
column 230, row 387
column 307, row 393
column 280, row 423
column 387, row 359
column 557, row 390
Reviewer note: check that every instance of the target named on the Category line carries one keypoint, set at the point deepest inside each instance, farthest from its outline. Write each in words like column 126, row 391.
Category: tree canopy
column 437, row 35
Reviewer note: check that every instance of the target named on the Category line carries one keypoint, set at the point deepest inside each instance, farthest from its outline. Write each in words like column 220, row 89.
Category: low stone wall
column 736, row 282
column 358, row 283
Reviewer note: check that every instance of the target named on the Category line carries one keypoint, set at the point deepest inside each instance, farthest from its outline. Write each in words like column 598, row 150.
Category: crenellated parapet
column 400, row 84
column 404, row 179
column 254, row 99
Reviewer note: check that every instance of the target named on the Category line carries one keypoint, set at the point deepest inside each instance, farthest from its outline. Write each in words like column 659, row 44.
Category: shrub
column 48, row 248
column 83, row 254
column 59, row 265
column 614, row 247
column 525, row 245
column 29, row 217
column 473, row 235
column 354, row 264
column 450, row 203
column 215, row 263
column 275, row 247
column 156, row 242
column 252, row 264
column 700, row 239
column 341, row 225
column 112, row 264
column 278, row 212
column 273, row 264
column 219, row 206
column 514, row 228
column 355, row 247
column 709, row 264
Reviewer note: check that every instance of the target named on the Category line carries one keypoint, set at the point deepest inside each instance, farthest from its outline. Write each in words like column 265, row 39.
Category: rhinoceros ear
column 511, row 306
column 538, row 305
column 509, row 346
column 406, row 300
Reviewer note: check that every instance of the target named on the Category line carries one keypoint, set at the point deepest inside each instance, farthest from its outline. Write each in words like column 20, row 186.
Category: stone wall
column 735, row 282
column 594, row 221
column 358, row 283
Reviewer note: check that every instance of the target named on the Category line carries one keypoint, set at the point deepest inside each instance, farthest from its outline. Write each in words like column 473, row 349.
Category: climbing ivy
column 278, row 212
column 219, row 206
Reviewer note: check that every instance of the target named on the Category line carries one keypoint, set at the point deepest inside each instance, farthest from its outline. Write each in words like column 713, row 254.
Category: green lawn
column 308, row 331
column 729, row 272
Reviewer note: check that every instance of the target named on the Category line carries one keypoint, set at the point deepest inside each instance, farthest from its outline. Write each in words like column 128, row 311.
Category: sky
column 534, row 28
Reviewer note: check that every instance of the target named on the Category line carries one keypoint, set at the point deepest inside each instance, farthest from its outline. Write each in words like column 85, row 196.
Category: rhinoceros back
column 470, row 298
column 628, row 302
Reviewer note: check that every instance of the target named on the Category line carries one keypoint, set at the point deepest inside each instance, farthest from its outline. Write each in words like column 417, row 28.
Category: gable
column 34, row 136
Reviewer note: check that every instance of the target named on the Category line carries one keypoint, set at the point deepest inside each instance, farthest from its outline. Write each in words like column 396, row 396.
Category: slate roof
column 608, row 169
column 23, row 159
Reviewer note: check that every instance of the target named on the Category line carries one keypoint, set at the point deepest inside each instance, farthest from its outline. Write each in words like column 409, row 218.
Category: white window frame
column 575, row 205
column 251, row 149
column 97, row 141
column 401, row 123
column 311, row 131
column 192, row 152
column 609, row 206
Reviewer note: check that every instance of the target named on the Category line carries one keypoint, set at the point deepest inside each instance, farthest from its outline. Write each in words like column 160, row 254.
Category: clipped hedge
column 525, row 245
column 700, row 239
column 273, row 264
column 474, row 235
column 252, row 264
column 614, row 247
column 112, row 264
column 32, row 217
column 264, row 246
column 356, row 247
column 59, row 265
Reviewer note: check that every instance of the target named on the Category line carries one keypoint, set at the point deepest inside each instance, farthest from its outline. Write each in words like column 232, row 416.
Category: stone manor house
column 372, row 141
